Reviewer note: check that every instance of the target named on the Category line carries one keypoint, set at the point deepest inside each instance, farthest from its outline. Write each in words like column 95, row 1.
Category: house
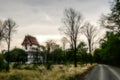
column 31, row 46
column 30, row 43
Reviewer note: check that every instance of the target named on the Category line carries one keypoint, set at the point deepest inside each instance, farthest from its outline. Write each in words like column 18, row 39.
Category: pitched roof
column 30, row 40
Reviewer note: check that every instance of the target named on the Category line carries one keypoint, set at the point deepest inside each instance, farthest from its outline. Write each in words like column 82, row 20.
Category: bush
column 49, row 65
column 15, row 77
column 3, row 63
column 31, row 67
column 27, row 68
column 16, row 65
column 16, row 55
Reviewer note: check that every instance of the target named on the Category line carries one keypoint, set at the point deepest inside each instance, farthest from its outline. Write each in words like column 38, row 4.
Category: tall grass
column 58, row 72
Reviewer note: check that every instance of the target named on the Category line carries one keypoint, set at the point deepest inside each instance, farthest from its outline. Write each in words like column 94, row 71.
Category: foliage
column 97, row 56
column 82, row 48
column 110, row 45
column 69, row 56
column 30, row 67
column 110, row 48
column 16, row 55
column 83, row 57
column 115, row 15
column 16, row 65
column 19, row 66
column 112, row 20
column 15, row 77
column 57, row 72
column 56, row 57
column 3, row 63
column 48, row 65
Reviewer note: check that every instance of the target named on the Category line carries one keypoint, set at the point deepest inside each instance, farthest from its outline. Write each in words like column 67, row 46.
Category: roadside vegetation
column 109, row 51
column 35, row 72
column 63, row 63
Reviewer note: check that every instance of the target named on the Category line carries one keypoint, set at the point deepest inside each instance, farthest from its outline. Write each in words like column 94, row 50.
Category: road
column 103, row 72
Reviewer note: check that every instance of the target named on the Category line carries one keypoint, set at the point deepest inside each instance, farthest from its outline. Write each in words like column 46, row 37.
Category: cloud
column 37, row 17
column 31, row 11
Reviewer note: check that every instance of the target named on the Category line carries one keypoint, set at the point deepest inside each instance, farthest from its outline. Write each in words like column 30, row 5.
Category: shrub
column 16, row 65
column 15, row 77
column 3, row 63
column 16, row 55
column 31, row 67
column 48, row 65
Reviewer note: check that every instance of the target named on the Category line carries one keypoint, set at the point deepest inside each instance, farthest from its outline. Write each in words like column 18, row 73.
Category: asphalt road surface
column 103, row 72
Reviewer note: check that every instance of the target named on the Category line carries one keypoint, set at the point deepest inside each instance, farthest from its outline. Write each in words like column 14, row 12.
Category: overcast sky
column 42, row 18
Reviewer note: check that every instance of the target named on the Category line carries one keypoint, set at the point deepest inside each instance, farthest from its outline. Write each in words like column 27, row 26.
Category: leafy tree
column 83, row 56
column 110, row 45
column 97, row 56
column 69, row 56
column 112, row 20
column 109, row 50
column 82, row 47
column 17, row 55
column 51, row 45
column 72, row 22
column 57, row 56
column 82, row 51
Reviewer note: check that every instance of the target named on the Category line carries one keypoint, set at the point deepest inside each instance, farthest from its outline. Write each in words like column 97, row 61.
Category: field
column 57, row 72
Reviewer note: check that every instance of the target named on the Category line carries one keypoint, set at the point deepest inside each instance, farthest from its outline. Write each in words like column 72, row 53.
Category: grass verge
column 58, row 72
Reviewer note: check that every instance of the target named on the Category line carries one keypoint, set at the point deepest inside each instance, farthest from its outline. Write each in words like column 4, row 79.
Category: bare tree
column 64, row 41
column 72, row 22
column 2, row 30
column 51, row 45
column 10, row 27
column 90, row 32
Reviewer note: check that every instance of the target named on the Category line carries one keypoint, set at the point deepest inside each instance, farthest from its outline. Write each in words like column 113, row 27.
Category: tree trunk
column 75, row 55
column 8, row 67
column 89, row 44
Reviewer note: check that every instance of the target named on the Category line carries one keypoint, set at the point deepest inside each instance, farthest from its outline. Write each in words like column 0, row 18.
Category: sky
column 43, row 18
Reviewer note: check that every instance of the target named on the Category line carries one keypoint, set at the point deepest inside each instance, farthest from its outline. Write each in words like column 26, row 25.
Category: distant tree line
column 66, row 56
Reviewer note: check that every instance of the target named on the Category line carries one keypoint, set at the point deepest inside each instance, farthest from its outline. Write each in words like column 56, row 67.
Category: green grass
column 58, row 72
